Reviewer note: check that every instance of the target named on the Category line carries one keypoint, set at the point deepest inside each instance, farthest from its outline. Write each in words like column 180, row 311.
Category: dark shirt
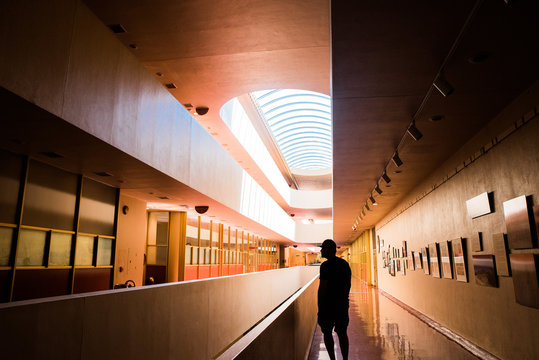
column 338, row 275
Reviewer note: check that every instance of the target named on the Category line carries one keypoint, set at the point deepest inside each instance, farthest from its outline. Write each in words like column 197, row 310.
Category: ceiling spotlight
column 378, row 190
column 396, row 159
column 372, row 200
column 414, row 132
column 386, row 178
column 443, row 86
column 435, row 118
column 201, row 110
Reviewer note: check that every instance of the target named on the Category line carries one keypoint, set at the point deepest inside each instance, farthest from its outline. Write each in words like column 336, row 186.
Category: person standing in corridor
column 335, row 280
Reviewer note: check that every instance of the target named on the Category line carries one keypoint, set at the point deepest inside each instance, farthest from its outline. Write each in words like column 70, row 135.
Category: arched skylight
column 301, row 124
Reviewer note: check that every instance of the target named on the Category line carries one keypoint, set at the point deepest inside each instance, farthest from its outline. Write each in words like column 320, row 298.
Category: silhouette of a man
column 335, row 278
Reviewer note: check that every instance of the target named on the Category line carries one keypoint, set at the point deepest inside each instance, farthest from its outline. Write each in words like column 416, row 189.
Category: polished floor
column 381, row 329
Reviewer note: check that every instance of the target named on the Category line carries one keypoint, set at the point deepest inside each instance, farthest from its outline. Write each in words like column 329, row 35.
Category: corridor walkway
column 381, row 329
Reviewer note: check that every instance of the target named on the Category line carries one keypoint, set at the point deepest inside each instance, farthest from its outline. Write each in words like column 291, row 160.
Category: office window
column 104, row 251
column 6, row 239
column 60, row 249
column 97, row 208
column 51, row 196
column 31, row 249
column 84, row 254
column 157, row 255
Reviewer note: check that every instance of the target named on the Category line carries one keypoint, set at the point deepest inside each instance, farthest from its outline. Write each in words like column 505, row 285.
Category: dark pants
column 333, row 316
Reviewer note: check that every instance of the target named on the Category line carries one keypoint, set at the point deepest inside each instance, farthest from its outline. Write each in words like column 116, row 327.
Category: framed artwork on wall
column 417, row 260
column 426, row 260
column 403, row 266
column 525, row 279
column 517, row 221
column 445, row 257
column 485, row 270
column 411, row 261
column 398, row 265
column 500, row 254
column 479, row 205
column 378, row 243
column 434, row 260
column 477, row 242
column 404, row 249
column 459, row 259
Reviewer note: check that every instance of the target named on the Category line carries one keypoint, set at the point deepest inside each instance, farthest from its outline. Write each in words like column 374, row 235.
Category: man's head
column 329, row 248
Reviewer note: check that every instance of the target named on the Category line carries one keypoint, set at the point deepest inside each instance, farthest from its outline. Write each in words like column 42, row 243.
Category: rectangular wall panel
column 525, row 279
column 517, row 221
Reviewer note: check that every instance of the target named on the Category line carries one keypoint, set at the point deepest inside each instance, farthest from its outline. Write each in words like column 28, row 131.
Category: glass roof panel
column 300, row 121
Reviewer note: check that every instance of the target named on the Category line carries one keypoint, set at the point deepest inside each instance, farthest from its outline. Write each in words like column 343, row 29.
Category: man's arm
column 322, row 293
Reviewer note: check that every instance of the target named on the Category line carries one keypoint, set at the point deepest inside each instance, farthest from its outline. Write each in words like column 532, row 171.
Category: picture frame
column 499, row 250
column 459, row 259
column 434, row 260
column 426, row 260
column 477, row 242
column 418, row 260
column 404, row 249
column 445, row 259
column 411, row 261
column 518, row 224
column 525, row 279
column 485, row 270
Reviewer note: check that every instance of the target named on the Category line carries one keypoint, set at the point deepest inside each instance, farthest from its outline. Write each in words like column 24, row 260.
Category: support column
column 220, row 251
column 211, row 247
column 199, row 249
column 176, row 246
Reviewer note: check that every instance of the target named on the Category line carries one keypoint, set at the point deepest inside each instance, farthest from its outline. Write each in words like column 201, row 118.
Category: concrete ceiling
column 384, row 58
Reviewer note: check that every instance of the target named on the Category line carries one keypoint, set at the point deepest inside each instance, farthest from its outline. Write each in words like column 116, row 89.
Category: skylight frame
column 300, row 122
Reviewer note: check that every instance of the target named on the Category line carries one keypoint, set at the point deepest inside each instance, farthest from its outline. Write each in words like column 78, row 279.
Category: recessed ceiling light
column 435, row 118
column 397, row 171
column 170, row 86
column 478, row 58
column 51, row 154
column 117, row 28
column 133, row 46
column 102, row 173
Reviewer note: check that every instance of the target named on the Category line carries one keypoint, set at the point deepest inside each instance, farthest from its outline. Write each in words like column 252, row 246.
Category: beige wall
column 131, row 241
column 487, row 316
column 188, row 320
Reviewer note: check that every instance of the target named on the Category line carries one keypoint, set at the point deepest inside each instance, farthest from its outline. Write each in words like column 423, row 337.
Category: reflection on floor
column 381, row 329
